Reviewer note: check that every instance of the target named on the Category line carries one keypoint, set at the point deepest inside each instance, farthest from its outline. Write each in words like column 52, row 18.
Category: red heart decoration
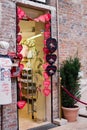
column 47, row 25
column 45, row 50
column 18, row 29
column 47, row 16
column 46, row 91
column 19, row 48
column 19, row 56
column 19, row 38
column 21, row 67
column 46, row 34
column 21, row 104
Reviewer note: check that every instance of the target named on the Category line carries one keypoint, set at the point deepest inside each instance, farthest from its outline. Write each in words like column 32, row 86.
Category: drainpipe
column 59, row 80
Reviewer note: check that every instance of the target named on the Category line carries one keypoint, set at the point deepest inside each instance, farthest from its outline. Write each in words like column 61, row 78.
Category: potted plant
column 69, row 73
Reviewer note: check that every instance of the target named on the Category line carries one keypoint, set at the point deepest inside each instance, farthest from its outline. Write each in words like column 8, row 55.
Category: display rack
column 29, row 91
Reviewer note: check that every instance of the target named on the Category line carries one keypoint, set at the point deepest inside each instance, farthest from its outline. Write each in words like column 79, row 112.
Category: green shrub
column 69, row 79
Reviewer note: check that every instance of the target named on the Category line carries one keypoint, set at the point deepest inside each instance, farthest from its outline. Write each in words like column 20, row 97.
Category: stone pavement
column 80, row 124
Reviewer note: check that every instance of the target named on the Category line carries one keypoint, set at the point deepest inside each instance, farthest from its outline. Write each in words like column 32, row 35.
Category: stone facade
column 69, row 27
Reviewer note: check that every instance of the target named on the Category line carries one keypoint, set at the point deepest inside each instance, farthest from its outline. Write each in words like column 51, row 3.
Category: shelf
column 25, row 80
column 29, row 90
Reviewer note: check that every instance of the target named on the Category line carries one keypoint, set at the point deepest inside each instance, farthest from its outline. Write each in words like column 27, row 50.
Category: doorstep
column 83, row 112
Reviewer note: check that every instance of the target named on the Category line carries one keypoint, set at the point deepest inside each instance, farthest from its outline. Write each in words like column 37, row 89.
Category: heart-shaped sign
column 21, row 104
column 51, row 58
column 51, row 69
column 51, row 44
column 46, row 91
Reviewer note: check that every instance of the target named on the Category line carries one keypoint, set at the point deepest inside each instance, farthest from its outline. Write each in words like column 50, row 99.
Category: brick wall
column 8, row 33
column 72, row 15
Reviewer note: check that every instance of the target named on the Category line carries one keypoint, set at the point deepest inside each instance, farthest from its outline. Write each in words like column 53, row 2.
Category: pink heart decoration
column 45, row 75
column 21, row 104
column 46, row 83
column 46, row 91
column 36, row 19
column 42, row 18
column 45, row 65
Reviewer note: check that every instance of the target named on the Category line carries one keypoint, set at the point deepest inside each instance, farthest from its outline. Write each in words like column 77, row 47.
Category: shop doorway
column 33, row 28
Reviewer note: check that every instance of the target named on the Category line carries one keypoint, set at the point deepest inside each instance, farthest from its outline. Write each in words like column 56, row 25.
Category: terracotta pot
column 70, row 113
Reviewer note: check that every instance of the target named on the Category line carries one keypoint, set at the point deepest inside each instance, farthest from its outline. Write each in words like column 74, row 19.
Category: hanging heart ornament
column 51, row 58
column 21, row 104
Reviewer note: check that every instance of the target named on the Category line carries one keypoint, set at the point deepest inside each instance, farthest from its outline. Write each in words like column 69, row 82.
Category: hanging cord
column 75, row 98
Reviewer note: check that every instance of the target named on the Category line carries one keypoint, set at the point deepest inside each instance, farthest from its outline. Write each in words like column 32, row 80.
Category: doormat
column 44, row 127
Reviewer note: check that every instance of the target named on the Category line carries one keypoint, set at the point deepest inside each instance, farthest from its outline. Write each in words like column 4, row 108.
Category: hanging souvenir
column 51, row 44
column 51, row 69
column 51, row 58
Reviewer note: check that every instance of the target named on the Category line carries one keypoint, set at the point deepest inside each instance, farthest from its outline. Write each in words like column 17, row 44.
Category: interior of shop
column 31, row 79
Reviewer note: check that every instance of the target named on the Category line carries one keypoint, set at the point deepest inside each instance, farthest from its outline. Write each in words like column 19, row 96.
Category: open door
column 33, row 28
